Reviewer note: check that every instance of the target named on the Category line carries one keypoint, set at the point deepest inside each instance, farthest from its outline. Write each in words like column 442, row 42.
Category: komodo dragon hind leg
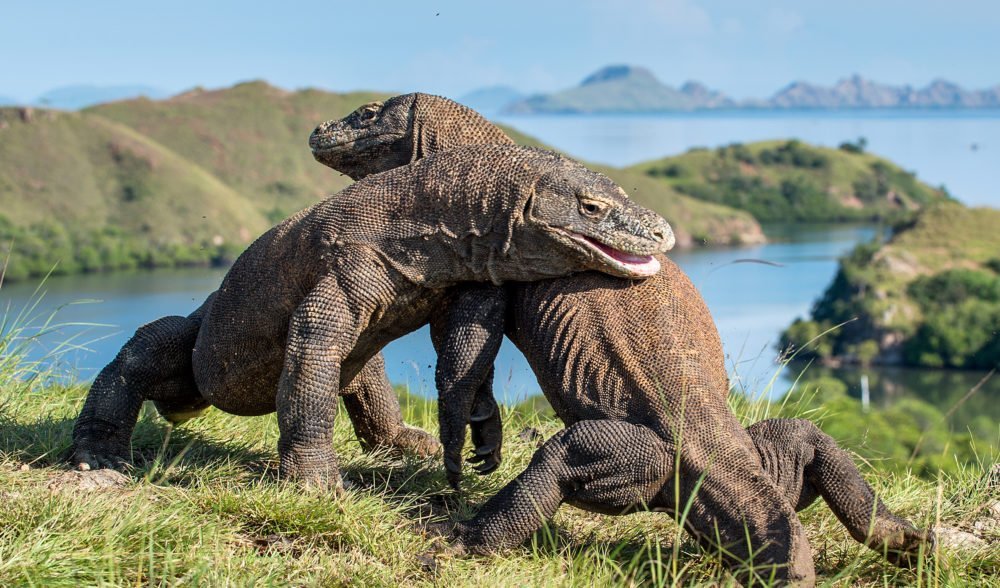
column 603, row 466
column 155, row 364
column 806, row 463
column 374, row 409
column 614, row 467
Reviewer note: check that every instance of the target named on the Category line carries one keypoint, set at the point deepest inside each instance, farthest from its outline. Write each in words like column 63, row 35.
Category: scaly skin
column 311, row 302
column 606, row 352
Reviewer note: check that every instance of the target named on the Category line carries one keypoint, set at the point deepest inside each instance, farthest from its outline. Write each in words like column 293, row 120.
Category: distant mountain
column 82, row 96
column 8, row 101
column 858, row 92
column 626, row 88
column 622, row 88
column 492, row 99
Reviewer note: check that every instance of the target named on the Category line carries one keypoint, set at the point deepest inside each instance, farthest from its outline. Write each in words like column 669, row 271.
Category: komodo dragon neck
column 438, row 125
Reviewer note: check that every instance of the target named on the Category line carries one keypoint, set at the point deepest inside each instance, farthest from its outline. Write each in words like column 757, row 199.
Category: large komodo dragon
column 310, row 302
column 635, row 369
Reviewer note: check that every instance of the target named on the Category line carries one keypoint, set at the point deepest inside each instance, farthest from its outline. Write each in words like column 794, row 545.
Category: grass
column 203, row 507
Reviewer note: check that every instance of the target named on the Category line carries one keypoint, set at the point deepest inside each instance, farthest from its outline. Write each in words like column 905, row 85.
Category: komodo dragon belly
column 238, row 363
column 608, row 348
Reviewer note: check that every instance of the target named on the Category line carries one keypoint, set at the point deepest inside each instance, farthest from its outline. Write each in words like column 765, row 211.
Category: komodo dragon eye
column 592, row 208
column 368, row 112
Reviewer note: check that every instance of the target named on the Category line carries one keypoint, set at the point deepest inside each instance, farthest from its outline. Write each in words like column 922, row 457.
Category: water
column 750, row 302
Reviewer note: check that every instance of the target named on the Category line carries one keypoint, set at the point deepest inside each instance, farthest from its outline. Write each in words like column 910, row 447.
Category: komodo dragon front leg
column 467, row 337
column 155, row 364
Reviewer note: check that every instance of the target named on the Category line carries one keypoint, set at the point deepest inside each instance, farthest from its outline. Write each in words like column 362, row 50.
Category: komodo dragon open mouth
column 627, row 264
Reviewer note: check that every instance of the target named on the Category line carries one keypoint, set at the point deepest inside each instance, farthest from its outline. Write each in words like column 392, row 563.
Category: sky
column 746, row 49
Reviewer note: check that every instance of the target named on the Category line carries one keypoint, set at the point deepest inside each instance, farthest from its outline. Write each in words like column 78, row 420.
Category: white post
column 865, row 396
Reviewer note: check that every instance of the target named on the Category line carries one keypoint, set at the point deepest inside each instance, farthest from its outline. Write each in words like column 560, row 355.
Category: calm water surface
column 750, row 302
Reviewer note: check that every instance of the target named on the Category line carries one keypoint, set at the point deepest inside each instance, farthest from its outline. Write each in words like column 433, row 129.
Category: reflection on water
column 965, row 397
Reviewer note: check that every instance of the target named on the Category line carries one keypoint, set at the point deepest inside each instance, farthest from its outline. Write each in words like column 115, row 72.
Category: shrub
column 953, row 287
column 796, row 154
column 856, row 147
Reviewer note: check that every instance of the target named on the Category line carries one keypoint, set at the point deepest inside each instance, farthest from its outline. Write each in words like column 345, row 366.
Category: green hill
column 781, row 181
column 91, row 194
column 251, row 136
column 929, row 296
column 192, row 179
column 188, row 180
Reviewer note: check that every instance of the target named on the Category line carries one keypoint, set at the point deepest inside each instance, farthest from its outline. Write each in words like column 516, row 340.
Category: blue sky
column 747, row 49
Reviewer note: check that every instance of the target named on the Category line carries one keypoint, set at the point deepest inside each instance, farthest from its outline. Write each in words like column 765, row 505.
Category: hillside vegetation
column 90, row 194
column 783, row 181
column 253, row 137
column 194, row 178
column 929, row 296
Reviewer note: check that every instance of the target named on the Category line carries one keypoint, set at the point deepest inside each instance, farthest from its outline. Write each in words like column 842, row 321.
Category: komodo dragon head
column 380, row 136
column 587, row 212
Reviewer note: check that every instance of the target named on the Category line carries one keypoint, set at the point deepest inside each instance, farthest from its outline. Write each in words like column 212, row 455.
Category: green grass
column 204, row 507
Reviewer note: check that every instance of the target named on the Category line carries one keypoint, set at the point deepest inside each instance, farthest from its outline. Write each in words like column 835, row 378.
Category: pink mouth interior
column 642, row 265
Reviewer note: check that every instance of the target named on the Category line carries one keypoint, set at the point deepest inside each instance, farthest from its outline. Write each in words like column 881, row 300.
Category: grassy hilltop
column 784, row 181
column 252, row 136
column 929, row 296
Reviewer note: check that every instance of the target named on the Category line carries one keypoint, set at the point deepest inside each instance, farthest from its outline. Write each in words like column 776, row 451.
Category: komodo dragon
column 306, row 306
column 608, row 350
